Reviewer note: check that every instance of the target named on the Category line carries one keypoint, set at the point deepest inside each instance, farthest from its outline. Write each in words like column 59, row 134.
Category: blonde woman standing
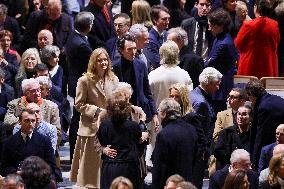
column 92, row 89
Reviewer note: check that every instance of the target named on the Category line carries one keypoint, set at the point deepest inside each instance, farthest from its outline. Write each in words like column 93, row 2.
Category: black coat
column 174, row 152
column 124, row 137
column 217, row 180
column 268, row 113
column 78, row 52
column 266, row 185
column 11, row 69
column 191, row 63
column 6, row 95
column 38, row 20
column 12, row 25
column 101, row 30
column 229, row 140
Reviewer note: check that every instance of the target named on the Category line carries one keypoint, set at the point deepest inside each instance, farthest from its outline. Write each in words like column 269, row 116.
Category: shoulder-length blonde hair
column 186, row 104
column 274, row 165
column 22, row 71
column 121, row 180
column 92, row 66
column 140, row 12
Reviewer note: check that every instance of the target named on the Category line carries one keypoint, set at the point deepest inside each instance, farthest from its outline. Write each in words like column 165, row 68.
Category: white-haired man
column 140, row 33
column 32, row 94
column 201, row 98
column 240, row 159
column 189, row 61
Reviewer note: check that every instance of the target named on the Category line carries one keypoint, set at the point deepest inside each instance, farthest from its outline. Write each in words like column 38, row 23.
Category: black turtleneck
column 128, row 76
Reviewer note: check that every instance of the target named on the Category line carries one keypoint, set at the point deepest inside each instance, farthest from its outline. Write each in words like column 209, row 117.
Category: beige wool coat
column 90, row 96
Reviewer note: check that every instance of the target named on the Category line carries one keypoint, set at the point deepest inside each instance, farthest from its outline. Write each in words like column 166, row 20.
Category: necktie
column 27, row 139
column 199, row 40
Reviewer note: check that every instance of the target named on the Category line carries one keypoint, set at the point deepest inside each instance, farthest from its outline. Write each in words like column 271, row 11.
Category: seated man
column 41, row 126
column 32, row 94
column 25, row 143
column 267, row 151
column 240, row 159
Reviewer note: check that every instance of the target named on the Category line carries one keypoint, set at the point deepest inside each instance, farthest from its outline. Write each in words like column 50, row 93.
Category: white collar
column 54, row 70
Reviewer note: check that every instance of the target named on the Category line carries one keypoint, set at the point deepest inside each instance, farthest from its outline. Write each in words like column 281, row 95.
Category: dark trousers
column 198, row 172
column 74, row 126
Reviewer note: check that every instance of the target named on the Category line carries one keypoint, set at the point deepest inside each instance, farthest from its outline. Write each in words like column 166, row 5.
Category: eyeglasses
column 233, row 97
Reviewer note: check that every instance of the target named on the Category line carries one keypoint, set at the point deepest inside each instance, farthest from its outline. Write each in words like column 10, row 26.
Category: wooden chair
column 273, row 82
column 241, row 80
column 278, row 92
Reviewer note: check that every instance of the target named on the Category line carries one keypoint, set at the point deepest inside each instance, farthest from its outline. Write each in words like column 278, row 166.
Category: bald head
column 278, row 149
column 279, row 134
column 44, row 38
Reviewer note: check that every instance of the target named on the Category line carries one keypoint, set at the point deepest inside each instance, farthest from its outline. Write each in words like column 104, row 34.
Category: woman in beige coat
column 91, row 93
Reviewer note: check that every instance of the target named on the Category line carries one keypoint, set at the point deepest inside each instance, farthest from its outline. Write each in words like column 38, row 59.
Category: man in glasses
column 236, row 98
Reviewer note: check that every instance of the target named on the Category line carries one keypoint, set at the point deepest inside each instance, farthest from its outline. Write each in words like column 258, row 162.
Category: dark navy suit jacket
column 6, row 95
column 223, row 56
column 11, row 69
column 151, row 50
column 78, row 52
column 201, row 103
column 112, row 50
column 265, row 156
column 15, row 151
column 268, row 113
column 143, row 91
column 101, row 30
column 217, row 180
column 174, row 152
column 57, row 78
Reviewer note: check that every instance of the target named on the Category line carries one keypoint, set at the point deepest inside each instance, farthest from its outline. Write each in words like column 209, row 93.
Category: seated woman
column 275, row 178
column 30, row 59
column 36, row 174
column 234, row 137
column 6, row 39
column 123, row 135
column 236, row 179
column 50, row 56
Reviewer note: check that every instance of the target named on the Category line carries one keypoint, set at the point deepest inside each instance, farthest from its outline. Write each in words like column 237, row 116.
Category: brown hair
column 274, row 164
column 5, row 33
column 118, row 108
column 235, row 179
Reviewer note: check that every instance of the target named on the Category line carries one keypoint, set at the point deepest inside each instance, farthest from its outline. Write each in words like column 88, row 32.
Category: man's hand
column 156, row 123
column 109, row 152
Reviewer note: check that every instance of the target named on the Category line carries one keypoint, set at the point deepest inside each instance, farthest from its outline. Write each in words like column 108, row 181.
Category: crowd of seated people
column 155, row 104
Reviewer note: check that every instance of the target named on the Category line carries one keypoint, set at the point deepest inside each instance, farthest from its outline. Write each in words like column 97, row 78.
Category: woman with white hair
column 30, row 59
column 168, row 73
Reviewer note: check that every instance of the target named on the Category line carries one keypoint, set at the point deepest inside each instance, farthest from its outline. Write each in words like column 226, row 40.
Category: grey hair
column 83, row 20
column 18, row 180
column 169, row 53
column 236, row 155
column 48, row 52
column 279, row 10
column 208, row 75
column 136, row 30
column 44, row 80
column 123, row 87
column 26, row 83
column 169, row 105
column 3, row 9
column 180, row 34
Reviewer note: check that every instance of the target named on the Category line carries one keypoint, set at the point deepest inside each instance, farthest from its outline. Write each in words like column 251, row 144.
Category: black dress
column 124, row 137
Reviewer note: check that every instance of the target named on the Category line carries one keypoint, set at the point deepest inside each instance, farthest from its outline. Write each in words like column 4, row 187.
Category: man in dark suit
column 189, row 61
column 240, row 159
column 157, row 34
column 134, row 72
column 103, row 27
column 8, row 62
column 78, row 52
column 27, row 142
column 267, row 151
column 121, row 24
column 268, row 114
column 201, row 98
column 175, row 145
column 200, row 39
column 51, row 18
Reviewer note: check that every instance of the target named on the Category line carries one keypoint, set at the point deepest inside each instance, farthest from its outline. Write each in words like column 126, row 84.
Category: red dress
column 257, row 42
